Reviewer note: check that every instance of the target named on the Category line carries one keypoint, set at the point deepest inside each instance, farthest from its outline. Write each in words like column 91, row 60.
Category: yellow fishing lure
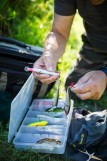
column 38, row 123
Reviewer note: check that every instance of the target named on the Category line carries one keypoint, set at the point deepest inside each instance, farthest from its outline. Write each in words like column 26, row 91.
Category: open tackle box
column 50, row 138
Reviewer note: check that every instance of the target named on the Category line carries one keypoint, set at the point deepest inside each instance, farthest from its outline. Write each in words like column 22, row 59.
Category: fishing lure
column 48, row 141
column 55, row 109
column 38, row 123
column 40, row 71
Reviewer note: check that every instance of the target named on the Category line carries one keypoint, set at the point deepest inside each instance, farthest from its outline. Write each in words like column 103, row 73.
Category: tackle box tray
column 50, row 138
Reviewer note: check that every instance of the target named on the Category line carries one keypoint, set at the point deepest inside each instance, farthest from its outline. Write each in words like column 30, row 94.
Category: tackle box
column 50, row 138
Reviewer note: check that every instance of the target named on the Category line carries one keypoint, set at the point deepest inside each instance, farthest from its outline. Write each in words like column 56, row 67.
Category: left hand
column 46, row 62
column 91, row 85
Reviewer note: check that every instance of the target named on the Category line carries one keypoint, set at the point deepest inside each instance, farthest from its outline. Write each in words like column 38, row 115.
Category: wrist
column 104, row 70
column 55, row 44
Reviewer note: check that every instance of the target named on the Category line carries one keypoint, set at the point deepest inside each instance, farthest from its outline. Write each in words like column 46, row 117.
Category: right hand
column 47, row 62
column 91, row 86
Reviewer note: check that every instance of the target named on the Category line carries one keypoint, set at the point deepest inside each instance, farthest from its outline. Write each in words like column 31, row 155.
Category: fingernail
column 74, row 86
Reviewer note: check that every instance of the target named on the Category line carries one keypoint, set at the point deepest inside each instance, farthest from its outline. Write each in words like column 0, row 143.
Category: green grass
column 7, row 151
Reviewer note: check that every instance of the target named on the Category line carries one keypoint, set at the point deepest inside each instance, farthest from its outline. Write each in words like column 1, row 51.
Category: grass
column 7, row 151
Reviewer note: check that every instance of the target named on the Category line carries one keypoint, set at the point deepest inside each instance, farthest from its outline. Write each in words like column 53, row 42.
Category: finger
column 84, row 79
column 41, row 76
column 85, row 96
column 49, row 80
column 37, row 75
column 80, row 89
column 96, row 97
column 39, row 64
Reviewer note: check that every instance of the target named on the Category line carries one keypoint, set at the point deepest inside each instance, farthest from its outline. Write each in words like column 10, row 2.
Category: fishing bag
column 14, row 56
column 87, row 139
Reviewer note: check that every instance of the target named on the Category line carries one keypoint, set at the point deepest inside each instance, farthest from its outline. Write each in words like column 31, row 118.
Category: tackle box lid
column 19, row 107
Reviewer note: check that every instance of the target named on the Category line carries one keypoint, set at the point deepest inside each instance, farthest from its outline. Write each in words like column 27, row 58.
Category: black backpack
column 14, row 56
column 87, row 138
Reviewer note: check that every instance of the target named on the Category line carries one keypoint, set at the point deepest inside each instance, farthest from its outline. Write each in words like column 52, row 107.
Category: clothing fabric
column 87, row 138
column 94, row 19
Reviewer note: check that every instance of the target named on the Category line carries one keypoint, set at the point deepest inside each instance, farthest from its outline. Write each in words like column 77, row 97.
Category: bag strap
column 90, row 155
column 13, row 41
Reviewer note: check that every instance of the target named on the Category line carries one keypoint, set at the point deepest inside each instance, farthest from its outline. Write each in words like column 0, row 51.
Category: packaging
column 24, row 111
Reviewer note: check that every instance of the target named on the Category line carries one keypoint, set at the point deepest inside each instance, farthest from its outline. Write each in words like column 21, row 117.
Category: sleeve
column 65, row 7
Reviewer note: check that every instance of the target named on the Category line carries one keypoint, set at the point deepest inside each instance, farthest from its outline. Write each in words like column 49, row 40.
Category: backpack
column 87, row 138
column 14, row 56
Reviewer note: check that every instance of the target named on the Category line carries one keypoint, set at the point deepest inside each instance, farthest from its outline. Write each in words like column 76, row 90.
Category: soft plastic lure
column 38, row 123
column 55, row 109
column 48, row 141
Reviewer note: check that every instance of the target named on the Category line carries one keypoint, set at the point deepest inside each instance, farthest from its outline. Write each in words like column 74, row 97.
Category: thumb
column 84, row 79
column 49, row 61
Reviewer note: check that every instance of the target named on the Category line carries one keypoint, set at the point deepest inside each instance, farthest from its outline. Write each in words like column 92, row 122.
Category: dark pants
column 90, row 59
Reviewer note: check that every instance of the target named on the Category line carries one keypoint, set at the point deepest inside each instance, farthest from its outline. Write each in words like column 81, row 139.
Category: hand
column 91, row 85
column 47, row 62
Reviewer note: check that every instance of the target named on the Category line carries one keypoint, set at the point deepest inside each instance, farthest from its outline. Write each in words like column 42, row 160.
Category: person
column 89, row 75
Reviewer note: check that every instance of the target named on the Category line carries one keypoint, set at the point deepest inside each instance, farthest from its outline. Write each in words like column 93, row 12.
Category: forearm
column 55, row 44
column 54, row 47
